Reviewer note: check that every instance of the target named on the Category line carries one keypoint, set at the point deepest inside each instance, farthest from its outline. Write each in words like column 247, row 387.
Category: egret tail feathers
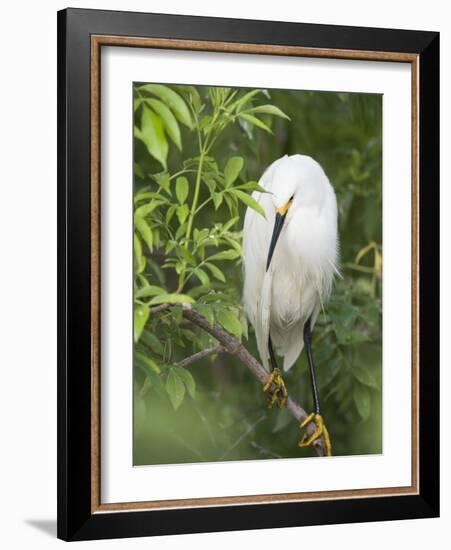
column 291, row 343
column 292, row 353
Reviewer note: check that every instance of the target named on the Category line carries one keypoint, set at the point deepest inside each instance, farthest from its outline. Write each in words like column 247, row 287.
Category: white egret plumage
column 290, row 259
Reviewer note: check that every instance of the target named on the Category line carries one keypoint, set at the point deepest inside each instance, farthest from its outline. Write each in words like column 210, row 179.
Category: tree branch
column 233, row 346
column 200, row 355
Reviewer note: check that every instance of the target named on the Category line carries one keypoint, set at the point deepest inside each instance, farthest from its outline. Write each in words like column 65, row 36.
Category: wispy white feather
column 263, row 318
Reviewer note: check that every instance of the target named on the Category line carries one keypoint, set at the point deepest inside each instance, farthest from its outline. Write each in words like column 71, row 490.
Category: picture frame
column 81, row 36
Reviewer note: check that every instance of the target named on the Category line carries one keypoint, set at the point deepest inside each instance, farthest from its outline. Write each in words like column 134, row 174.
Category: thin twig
column 249, row 429
column 265, row 451
column 200, row 355
column 161, row 307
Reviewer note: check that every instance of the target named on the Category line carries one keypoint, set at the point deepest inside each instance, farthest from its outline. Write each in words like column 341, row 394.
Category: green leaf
column 205, row 123
column 158, row 271
column 362, row 400
column 172, row 100
column 170, row 122
column 216, row 272
column 252, row 186
column 206, row 311
column 148, row 195
column 235, row 245
column 153, row 379
column 229, row 321
column 175, row 388
column 136, row 103
column 137, row 248
column 232, row 203
column 191, row 94
column 152, row 134
column 190, row 335
column 202, row 276
column 170, row 213
column 210, row 180
column 365, row 377
column 244, row 326
column 188, row 380
column 255, row 121
column 229, row 224
column 182, row 227
column 147, row 362
column 211, row 297
column 138, row 171
column 163, row 181
column 177, row 314
column 269, row 110
column 179, row 267
column 145, row 231
column 137, row 132
column 232, row 170
column 152, row 342
column 138, row 254
column 181, row 189
column 201, row 235
column 242, row 101
column 146, row 209
column 224, row 255
column 186, row 255
column 249, row 201
column 182, row 213
column 171, row 299
column 149, row 290
column 344, row 319
column 217, row 199
column 247, row 128
column 140, row 316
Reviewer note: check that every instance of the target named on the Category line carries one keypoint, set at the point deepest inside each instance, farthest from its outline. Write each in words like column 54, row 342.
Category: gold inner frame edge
column 97, row 41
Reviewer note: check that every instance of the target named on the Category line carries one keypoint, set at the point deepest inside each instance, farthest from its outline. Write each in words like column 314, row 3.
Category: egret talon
column 321, row 431
column 276, row 388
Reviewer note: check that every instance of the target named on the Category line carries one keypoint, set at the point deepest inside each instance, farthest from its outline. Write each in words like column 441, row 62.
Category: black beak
column 278, row 224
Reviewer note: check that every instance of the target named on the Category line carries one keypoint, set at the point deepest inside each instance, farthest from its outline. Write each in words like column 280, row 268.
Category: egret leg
column 321, row 430
column 275, row 386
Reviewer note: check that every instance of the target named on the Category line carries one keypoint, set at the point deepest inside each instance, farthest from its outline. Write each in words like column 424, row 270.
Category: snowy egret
column 290, row 259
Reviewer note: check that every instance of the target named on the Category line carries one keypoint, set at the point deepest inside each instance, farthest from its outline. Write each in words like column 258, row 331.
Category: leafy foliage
column 198, row 154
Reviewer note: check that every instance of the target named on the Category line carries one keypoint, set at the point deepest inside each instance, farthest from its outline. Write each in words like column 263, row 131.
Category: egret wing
column 258, row 281
column 263, row 318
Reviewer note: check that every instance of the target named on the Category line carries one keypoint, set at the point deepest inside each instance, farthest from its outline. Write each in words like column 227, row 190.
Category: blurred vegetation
column 198, row 155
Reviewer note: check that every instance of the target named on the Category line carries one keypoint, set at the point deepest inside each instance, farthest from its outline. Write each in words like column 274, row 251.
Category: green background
column 228, row 419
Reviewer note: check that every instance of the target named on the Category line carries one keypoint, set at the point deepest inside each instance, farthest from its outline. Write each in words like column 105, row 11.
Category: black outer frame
column 75, row 520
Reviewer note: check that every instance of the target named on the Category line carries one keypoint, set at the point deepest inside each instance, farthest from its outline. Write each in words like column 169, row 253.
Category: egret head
column 295, row 182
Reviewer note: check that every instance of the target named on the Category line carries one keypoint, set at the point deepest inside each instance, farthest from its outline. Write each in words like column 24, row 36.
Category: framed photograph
column 248, row 274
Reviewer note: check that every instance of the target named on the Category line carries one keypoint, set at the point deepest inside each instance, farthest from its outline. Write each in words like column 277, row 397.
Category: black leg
column 321, row 430
column 272, row 355
column 308, row 350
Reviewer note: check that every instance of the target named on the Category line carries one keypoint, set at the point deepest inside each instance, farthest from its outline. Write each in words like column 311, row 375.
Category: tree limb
column 233, row 346
column 161, row 307
column 200, row 355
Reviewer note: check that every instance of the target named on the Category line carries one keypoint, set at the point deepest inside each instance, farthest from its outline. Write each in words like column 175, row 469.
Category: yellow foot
column 321, row 431
column 277, row 391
